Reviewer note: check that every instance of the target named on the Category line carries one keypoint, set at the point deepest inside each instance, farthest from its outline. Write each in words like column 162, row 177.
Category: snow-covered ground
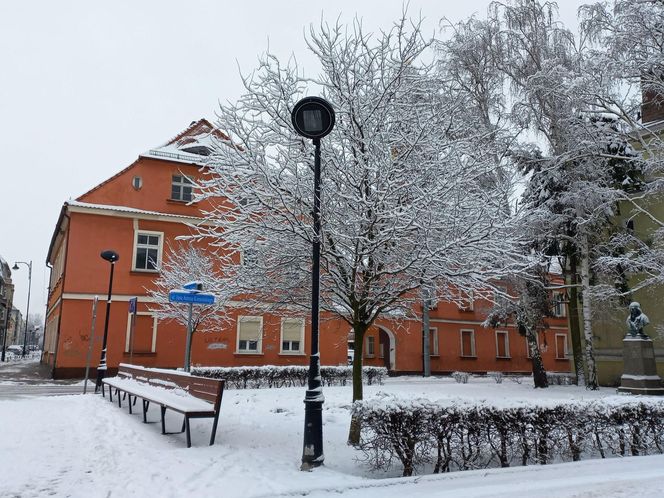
column 85, row 446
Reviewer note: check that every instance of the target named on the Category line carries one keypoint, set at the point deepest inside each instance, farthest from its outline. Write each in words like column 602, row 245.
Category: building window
column 147, row 253
column 249, row 334
column 292, row 335
column 181, row 188
column 561, row 346
column 144, row 338
column 468, row 343
column 433, row 342
column 137, row 182
column 559, row 301
column 502, row 344
column 371, row 346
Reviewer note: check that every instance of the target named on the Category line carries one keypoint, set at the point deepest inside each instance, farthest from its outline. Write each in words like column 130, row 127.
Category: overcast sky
column 87, row 86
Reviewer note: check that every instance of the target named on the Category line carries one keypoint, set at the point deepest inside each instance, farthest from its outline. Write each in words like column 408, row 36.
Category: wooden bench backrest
column 201, row 387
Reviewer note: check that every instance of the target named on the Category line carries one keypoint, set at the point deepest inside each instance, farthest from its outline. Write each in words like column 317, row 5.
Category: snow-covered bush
column 269, row 376
column 428, row 437
column 461, row 377
column 560, row 378
column 497, row 376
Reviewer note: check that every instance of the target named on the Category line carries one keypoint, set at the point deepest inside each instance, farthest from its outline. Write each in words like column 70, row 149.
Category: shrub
column 461, row 377
column 425, row 436
column 269, row 376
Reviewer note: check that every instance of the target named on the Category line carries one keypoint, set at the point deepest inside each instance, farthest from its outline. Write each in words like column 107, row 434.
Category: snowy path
column 85, row 446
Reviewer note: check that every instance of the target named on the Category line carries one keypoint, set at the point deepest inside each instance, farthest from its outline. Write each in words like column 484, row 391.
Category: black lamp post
column 313, row 117
column 111, row 257
column 27, row 310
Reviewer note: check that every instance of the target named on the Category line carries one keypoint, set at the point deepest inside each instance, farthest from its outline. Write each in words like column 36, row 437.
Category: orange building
column 145, row 206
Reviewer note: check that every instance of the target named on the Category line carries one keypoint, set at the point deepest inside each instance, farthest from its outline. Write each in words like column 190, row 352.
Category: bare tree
column 404, row 199
column 185, row 263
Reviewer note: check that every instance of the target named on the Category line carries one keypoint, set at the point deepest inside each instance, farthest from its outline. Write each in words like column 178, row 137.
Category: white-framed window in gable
column 148, row 250
column 144, row 338
column 181, row 188
column 502, row 344
column 292, row 336
column 468, row 343
column 249, row 334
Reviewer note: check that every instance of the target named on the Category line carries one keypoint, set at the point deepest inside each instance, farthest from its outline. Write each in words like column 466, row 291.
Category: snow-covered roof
column 193, row 145
column 127, row 209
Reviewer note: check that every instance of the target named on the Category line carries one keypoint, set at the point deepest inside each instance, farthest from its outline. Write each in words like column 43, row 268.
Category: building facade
column 141, row 211
column 6, row 297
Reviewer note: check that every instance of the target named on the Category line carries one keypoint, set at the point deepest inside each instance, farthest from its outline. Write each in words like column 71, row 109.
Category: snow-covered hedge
column 285, row 376
column 427, row 437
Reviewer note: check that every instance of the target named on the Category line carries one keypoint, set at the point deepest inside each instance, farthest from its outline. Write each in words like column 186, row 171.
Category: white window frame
column 506, row 334
column 160, row 250
column 370, row 340
column 184, row 182
column 300, row 351
column 259, row 346
column 566, row 351
column 153, row 348
column 473, row 353
column 433, row 332
column 559, row 305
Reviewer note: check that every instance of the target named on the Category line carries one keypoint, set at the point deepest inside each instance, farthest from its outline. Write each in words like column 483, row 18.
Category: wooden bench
column 194, row 397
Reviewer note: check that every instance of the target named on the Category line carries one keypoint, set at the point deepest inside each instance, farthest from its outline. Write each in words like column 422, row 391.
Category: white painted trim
column 114, row 297
column 259, row 349
column 436, row 345
column 472, row 343
column 566, row 352
column 281, row 336
column 153, row 347
column 152, row 216
column 507, row 343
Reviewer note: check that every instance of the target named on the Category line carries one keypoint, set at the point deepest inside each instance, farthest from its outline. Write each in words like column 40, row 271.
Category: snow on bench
column 194, row 397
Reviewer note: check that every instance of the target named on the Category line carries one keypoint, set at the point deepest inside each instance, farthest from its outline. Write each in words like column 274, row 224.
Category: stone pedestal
column 640, row 372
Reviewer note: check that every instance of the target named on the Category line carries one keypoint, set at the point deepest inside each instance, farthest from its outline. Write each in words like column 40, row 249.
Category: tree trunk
column 539, row 373
column 355, row 424
column 573, row 322
column 587, row 314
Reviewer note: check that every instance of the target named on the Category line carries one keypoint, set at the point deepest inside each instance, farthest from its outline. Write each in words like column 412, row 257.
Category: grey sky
column 87, row 86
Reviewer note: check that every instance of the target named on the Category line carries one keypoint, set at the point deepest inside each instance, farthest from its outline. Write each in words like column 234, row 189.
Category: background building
column 141, row 211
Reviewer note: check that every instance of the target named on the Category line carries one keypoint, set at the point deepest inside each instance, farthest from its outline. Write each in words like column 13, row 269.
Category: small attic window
column 200, row 150
column 137, row 182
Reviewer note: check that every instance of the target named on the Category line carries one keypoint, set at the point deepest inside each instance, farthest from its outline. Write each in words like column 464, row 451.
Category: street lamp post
column 27, row 308
column 111, row 257
column 313, row 117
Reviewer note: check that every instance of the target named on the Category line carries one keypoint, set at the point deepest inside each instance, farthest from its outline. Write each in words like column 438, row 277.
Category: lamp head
column 15, row 267
column 110, row 256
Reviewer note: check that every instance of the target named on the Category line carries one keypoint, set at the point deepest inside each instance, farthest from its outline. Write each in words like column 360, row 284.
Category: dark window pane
column 285, row 345
column 175, row 193
column 187, row 180
column 295, row 345
column 243, row 345
column 177, row 178
column 152, row 259
column 153, row 240
column 253, row 345
column 141, row 258
column 142, row 239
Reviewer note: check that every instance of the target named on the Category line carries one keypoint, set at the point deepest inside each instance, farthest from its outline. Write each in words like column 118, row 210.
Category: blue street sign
column 133, row 305
column 193, row 285
column 183, row 296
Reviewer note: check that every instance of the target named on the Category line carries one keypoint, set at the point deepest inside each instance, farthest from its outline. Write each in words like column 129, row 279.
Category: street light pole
column 27, row 308
column 313, row 118
column 111, row 257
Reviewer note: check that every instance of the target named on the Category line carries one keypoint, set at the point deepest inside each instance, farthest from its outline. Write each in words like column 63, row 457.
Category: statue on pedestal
column 636, row 320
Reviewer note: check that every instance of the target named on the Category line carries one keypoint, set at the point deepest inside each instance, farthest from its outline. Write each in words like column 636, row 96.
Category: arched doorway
column 387, row 345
